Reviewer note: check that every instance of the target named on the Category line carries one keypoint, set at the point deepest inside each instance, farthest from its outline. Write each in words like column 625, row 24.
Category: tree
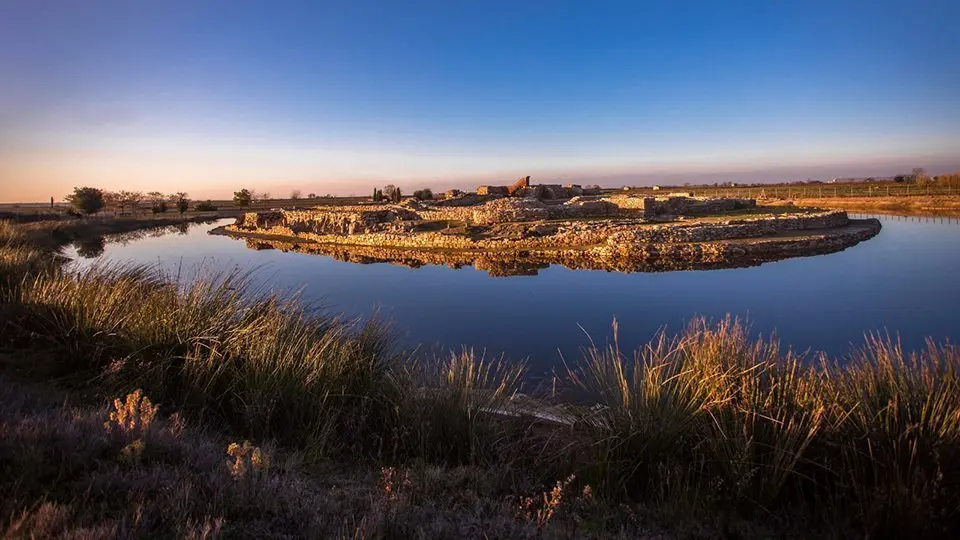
column 111, row 200
column 312, row 196
column 423, row 194
column 295, row 194
column 397, row 195
column 388, row 191
column 86, row 200
column 206, row 206
column 950, row 180
column 182, row 202
column 243, row 197
column 158, row 202
column 920, row 175
column 128, row 199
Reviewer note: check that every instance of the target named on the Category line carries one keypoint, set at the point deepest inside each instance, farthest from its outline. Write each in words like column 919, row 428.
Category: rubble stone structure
column 584, row 231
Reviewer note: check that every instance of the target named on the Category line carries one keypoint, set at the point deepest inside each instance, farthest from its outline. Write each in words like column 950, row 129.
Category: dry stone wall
column 502, row 191
column 510, row 210
column 677, row 205
column 343, row 220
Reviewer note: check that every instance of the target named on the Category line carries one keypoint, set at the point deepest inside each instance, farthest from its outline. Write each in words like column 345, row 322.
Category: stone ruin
column 523, row 188
column 521, row 184
column 684, row 205
column 502, row 191
column 490, row 205
column 520, row 228
column 510, row 210
column 343, row 220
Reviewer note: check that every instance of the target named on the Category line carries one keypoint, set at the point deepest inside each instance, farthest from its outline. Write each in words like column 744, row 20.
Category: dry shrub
column 248, row 460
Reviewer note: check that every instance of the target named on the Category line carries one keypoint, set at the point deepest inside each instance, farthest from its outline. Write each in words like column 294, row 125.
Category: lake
column 905, row 281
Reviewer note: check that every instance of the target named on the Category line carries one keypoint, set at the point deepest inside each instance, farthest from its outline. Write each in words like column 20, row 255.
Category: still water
column 905, row 281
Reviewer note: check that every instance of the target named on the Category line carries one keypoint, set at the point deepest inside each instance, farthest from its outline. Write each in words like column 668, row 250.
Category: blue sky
column 336, row 96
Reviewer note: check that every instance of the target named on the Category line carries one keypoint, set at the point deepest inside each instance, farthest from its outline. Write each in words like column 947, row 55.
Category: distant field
column 900, row 198
column 806, row 191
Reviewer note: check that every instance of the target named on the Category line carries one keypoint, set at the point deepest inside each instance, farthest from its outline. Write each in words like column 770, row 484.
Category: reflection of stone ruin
column 519, row 228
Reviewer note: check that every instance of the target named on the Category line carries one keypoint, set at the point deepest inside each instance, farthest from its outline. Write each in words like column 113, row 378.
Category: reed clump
column 714, row 419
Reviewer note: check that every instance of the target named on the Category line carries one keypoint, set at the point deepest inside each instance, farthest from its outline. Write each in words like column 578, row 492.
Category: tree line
column 394, row 194
column 89, row 200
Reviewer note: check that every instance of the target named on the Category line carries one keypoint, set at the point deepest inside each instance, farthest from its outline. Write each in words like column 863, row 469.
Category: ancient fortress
column 520, row 228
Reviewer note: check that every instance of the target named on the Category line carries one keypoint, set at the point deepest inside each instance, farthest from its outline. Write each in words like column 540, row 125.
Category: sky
column 207, row 97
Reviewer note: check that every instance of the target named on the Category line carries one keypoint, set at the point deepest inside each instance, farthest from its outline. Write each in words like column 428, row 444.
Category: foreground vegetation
column 708, row 433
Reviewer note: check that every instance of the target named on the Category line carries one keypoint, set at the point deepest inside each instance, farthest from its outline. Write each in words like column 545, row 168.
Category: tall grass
column 18, row 258
column 895, row 439
column 712, row 418
column 264, row 366
column 453, row 409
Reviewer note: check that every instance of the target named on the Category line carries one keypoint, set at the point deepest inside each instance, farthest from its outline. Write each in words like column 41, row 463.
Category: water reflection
column 90, row 248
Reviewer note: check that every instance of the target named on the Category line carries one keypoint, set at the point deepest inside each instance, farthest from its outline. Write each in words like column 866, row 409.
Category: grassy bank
column 706, row 433
column 934, row 206
column 53, row 234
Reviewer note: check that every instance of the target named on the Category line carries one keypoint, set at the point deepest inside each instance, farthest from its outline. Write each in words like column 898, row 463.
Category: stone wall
column 579, row 207
column 502, row 191
column 693, row 206
column 252, row 221
column 510, row 210
column 454, row 213
column 339, row 220
column 677, row 206
column 464, row 199
column 740, row 228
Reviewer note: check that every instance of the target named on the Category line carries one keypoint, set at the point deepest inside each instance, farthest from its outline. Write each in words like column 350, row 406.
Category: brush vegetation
column 707, row 433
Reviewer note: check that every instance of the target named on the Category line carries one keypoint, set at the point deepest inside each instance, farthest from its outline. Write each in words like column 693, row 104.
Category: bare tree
column 129, row 199
column 111, row 200
column 388, row 191
column 182, row 202
column 295, row 194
